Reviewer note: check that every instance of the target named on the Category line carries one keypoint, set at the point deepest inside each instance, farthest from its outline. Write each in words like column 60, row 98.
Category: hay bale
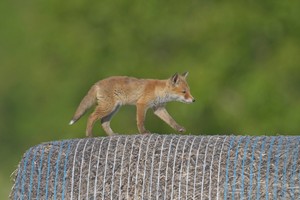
column 161, row 167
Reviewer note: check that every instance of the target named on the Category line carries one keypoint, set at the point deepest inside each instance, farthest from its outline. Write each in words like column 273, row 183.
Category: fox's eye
column 183, row 91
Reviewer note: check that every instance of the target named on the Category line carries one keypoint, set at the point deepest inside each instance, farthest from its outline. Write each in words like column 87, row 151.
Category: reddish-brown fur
column 113, row 92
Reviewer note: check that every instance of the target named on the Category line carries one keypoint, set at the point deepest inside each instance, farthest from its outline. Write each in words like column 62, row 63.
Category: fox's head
column 179, row 88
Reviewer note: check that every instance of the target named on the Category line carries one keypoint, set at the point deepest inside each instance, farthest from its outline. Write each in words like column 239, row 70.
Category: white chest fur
column 161, row 100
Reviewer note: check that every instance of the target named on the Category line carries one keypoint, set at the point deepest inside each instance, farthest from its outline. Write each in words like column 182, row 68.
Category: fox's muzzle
column 189, row 100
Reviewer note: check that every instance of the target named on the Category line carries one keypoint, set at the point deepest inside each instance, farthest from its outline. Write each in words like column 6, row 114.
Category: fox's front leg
column 141, row 110
column 163, row 114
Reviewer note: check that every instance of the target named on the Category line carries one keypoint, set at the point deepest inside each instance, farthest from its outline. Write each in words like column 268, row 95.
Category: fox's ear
column 185, row 74
column 175, row 78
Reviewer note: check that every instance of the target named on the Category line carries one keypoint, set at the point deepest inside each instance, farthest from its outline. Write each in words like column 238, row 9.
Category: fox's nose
column 194, row 100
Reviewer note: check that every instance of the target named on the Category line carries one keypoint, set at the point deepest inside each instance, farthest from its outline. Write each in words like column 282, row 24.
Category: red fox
column 111, row 93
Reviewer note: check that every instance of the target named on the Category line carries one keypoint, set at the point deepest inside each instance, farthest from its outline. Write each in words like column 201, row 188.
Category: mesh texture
column 161, row 167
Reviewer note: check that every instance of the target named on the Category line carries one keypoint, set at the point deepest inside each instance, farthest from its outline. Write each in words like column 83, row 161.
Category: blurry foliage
column 243, row 59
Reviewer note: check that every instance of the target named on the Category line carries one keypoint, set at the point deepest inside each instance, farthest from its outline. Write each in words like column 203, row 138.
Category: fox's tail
column 88, row 101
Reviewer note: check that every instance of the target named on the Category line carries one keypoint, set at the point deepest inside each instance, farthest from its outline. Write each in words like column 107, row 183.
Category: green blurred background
column 243, row 58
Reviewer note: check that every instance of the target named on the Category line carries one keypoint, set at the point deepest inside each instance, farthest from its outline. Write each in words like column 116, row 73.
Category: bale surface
column 161, row 167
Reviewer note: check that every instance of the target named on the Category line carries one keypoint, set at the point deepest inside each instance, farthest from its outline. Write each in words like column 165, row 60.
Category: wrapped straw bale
column 161, row 167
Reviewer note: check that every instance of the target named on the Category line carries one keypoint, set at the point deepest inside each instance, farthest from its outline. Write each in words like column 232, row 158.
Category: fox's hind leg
column 105, row 113
column 105, row 121
column 90, row 123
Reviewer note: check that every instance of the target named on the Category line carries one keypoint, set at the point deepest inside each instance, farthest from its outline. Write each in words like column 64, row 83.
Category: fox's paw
column 113, row 134
column 180, row 129
column 146, row 132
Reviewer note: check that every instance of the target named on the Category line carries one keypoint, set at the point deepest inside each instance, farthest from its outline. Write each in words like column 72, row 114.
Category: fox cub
column 111, row 93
